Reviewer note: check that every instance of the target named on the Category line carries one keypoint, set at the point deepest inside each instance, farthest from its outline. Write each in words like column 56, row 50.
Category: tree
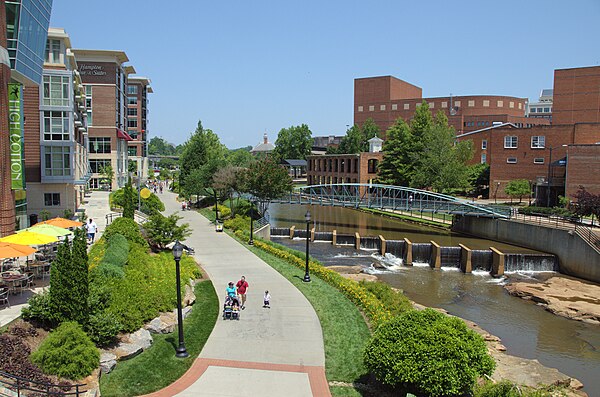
column 161, row 230
column 107, row 174
column 167, row 163
column 226, row 181
column 479, row 178
column 266, row 180
column 357, row 138
column 294, row 142
column 158, row 146
column 132, row 166
column 441, row 163
column 369, row 130
column 129, row 200
column 240, row 157
column 518, row 188
column 80, row 273
column 587, row 203
column 195, row 183
column 396, row 167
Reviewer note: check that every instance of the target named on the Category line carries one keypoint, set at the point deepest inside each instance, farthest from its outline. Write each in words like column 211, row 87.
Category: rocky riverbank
column 562, row 295
column 518, row 370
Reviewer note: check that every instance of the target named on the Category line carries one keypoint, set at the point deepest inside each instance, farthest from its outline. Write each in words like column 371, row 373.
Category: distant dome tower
column 375, row 144
column 264, row 147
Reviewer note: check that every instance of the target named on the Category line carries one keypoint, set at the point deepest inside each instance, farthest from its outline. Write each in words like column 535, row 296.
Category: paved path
column 96, row 206
column 268, row 352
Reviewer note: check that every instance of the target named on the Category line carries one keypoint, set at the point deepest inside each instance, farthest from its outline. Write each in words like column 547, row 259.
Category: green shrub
column 508, row 389
column 40, row 310
column 116, row 251
column 97, row 252
column 224, row 211
column 428, row 350
column 102, row 328
column 128, row 228
column 151, row 205
column 546, row 211
column 67, row 352
column 238, row 223
column 106, row 271
column 394, row 301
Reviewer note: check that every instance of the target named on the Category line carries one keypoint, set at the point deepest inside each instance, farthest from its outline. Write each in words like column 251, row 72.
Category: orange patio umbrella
column 9, row 250
column 62, row 222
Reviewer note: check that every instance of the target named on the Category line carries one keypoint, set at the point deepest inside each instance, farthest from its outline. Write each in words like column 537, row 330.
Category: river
column 526, row 330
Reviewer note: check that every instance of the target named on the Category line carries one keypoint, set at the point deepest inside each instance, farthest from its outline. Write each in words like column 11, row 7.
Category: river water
column 526, row 329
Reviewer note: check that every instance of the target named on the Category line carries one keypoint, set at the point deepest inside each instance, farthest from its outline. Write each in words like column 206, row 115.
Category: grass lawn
column 158, row 367
column 345, row 332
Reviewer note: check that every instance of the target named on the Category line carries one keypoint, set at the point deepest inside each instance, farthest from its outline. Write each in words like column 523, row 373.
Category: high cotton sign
column 16, row 137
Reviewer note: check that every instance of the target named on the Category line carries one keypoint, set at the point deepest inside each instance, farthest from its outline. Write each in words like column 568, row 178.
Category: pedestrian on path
column 267, row 300
column 242, row 287
column 91, row 229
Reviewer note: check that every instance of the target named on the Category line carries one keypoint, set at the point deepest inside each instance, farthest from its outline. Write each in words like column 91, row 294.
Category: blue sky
column 246, row 67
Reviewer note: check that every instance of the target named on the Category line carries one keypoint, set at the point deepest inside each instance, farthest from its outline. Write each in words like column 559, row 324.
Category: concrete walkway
column 96, row 206
column 268, row 352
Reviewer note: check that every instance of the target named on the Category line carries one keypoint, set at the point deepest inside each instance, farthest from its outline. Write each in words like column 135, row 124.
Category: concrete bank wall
column 575, row 256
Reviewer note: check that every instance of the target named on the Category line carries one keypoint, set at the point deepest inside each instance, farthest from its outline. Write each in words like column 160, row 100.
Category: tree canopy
column 294, row 142
column 266, row 180
column 159, row 146
column 357, row 138
column 518, row 188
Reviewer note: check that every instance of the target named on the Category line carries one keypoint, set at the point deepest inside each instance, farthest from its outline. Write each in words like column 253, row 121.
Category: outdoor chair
column 28, row 282
column 4, row 296
column 46, row 270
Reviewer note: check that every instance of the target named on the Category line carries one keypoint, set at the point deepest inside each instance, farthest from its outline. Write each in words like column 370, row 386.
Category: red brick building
column 386, row 98
column 576, row 95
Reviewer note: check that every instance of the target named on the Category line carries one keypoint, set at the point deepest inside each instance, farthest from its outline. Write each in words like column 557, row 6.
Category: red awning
column 123, row 135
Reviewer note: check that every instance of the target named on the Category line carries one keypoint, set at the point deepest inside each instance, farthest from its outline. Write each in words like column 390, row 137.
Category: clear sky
column 248, row 67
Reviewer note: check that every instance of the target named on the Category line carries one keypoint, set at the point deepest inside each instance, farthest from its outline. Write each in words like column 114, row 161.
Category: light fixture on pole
column 306, row 272
column 181, row 352
column 251, row 241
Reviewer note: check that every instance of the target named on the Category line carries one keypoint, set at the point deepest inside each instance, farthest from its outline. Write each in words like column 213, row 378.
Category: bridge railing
column 16, row 386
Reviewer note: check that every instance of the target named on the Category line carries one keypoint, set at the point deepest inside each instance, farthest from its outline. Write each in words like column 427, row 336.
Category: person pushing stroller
column 231, row 308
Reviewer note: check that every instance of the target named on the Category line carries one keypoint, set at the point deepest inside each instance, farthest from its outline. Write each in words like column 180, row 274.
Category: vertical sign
column 16, row 136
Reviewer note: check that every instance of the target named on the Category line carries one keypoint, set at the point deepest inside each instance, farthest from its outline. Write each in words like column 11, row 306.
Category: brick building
column 138, row 88
column 576, row 95
column 104, row 75
column 386, row 98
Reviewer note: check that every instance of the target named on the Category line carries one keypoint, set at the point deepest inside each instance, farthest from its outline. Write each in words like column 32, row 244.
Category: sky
column 244, row 68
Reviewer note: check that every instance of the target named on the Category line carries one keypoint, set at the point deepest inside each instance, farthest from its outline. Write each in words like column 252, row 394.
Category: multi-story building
column 345, row 168
column 576, row 95
column 23, row 31
column 543, row 107
column 56, row 163
column 138, row 89
column 104, row 76
column 386, row 98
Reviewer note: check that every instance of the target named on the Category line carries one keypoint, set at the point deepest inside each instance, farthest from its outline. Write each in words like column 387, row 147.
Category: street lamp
column 177, row 252
column 496, row 192
column 251, row 241
column 306, row 273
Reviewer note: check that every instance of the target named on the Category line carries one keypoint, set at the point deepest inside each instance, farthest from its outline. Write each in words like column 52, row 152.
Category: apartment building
column 23, row 34
column 56, row 161
column 104, row 77
column 138, row 88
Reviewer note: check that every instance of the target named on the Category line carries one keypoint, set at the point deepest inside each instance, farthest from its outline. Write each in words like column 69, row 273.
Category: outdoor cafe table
column 13, row 279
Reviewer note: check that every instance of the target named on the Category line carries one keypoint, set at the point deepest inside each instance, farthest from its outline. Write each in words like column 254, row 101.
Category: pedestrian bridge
column 391, row 198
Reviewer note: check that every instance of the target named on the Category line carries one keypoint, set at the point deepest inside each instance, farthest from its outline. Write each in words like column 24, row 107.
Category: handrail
column 589, row 236
column 138, row 217
column 16, row 385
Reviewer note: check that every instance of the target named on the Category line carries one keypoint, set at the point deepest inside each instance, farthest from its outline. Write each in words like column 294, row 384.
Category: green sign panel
column 15, row 132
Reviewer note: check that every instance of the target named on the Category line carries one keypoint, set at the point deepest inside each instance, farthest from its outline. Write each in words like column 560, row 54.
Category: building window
column 132, row 133
column 132, row 90
column 132, row 111
column 100, row 145
column 371, row 108
column 444, row 105
column 484, row 144
column 394, row 106
column 131, row 151
column 53, row 54
column 511, row 160
column 471, row 104
column 381, row 107
column 457, row 104
column 483, row 158
column 431, row 105
column 406, row 106
column 520, row 105
column 538, row 142
column 533, row 110
column 510, row 142
column 486, row 103
column 56, row 91
column 51, row 199
column 538, row 160
column 56, row 126
column 88, row 103
column 132, row 100
column 511, row 105
column 500, row 104
column 57, row 161
column 132, row 122
column 546, row 110
column 373, row 166
column 360, row 108
column 96, row 165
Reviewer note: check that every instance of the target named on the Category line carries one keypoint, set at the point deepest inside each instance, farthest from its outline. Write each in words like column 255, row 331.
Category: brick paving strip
column 267, row 352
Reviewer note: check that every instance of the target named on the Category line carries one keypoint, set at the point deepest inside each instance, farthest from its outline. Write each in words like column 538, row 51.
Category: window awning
column 123, row 135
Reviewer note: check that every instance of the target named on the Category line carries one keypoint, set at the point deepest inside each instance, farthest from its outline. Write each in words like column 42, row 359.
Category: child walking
column 267, row 300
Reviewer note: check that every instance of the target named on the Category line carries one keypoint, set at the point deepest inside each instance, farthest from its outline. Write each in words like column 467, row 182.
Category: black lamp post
column 177, row 251
column 306, row 273
column 251, row 241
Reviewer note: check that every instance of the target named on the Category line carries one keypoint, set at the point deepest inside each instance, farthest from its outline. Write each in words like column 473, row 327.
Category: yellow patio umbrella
column 48, row 230
column 29, row 238
column 9, row 250
column 61, row 222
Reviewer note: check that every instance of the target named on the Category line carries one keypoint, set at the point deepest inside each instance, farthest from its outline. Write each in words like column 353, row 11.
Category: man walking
column 91, row 229
column 242, row 287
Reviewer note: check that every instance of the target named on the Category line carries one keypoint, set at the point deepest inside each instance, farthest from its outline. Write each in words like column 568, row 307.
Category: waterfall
column 450, row 256
column 300, row 233
column 530, row 263
column 372, row 243
column 324, row 236
column 280, row 231
column 395, row 247
column 346, row 239
column 421, row 252
column 481, row 260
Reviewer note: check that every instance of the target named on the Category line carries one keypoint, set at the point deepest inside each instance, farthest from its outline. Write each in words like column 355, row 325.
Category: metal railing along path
column 138, row 217
column 16, row 386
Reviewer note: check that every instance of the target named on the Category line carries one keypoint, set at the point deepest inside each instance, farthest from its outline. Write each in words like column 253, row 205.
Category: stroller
column 231, row 309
